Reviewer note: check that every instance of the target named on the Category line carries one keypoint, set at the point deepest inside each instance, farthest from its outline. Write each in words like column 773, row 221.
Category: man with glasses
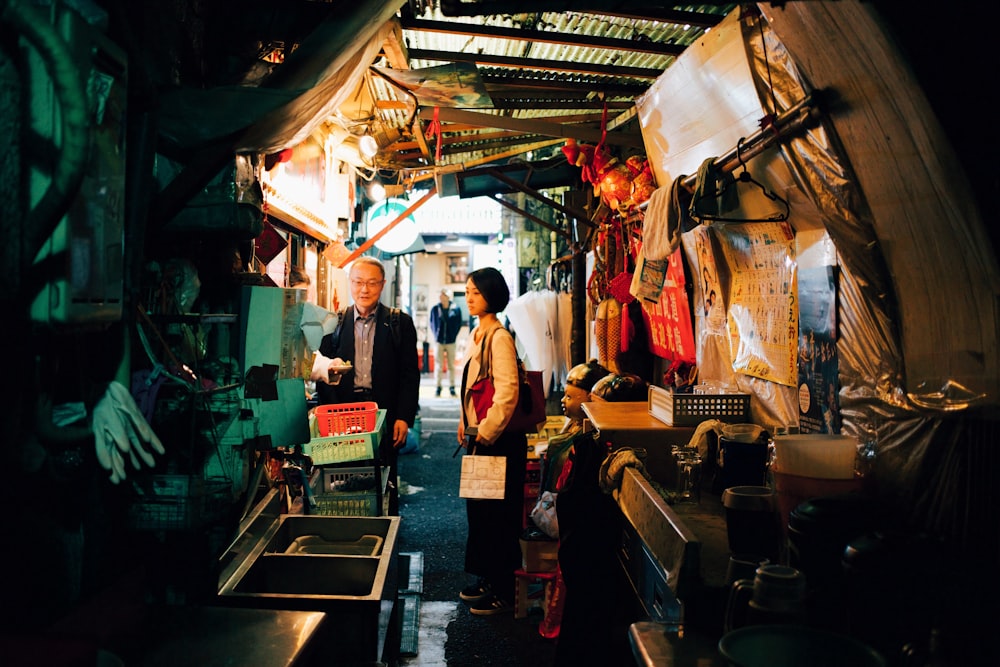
column 373, row 357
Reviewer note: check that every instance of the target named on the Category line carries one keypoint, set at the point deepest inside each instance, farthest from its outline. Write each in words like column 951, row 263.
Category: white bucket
column 816, row 455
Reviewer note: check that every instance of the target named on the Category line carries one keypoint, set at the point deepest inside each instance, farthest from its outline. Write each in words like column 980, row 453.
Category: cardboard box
column 539, row 442
column 539, row 555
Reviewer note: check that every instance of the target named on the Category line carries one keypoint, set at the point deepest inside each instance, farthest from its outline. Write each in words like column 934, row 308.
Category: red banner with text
column 668, row 322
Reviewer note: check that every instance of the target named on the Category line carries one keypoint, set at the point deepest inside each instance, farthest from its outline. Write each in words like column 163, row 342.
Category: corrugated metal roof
column 559, row 67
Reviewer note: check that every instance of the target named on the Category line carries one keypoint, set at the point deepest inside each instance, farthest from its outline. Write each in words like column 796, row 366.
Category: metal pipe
column 534, row 218
column 388, row 228
column 798, row 116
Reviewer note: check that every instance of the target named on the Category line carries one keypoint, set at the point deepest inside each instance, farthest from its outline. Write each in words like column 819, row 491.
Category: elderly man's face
column 366, row 286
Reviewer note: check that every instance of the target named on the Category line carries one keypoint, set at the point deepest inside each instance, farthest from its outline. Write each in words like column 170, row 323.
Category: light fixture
column 376, row 190
column 368, row 146
column 404, row 233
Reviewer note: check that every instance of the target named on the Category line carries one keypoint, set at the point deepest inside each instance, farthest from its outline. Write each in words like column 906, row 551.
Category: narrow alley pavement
column 433, row 527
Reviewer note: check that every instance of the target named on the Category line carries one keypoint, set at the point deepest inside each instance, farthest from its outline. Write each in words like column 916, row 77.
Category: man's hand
column 399, row 430
column 328, row 370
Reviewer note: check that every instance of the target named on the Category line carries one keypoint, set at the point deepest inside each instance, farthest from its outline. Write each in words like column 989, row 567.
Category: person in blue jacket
column 445, row 322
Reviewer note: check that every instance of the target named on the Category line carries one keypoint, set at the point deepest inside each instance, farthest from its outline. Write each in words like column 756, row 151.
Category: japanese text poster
column 763, row 308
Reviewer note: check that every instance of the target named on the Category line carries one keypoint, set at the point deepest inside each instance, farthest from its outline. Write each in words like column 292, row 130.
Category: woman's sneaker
column 490, row 605
column 475, row 592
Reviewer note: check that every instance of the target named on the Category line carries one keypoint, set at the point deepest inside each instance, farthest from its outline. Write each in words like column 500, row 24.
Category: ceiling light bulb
column 368, row 145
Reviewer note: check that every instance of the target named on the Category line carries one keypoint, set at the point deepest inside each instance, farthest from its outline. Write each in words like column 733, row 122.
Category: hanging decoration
column 643, row 180
column 668, row 321
column 434, row 132
column 269, row 243
column 622, row 186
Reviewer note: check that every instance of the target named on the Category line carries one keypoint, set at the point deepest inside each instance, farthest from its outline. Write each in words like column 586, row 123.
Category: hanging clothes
column 665, row 218
column 564, row 337
column 533, row 317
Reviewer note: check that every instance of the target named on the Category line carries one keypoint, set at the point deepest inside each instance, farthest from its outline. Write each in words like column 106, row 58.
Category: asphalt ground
column 434, row 524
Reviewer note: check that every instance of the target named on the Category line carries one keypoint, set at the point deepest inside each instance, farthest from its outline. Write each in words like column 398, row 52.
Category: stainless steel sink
column 267, row 570
column 311, row 575
column 348, row 569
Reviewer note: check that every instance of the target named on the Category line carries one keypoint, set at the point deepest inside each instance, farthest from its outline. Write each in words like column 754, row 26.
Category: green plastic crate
column 346, row 448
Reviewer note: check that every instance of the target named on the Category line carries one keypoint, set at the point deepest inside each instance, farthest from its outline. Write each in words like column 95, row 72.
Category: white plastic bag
column 544, row 514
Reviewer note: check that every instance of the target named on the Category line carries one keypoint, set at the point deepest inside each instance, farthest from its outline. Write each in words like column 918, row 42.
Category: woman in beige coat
column 492, row 550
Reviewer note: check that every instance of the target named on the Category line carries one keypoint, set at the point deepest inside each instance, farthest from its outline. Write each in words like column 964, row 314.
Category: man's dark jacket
column 445, row 323
column 395, row 372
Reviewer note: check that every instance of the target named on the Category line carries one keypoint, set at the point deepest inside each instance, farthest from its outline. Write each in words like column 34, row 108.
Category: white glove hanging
column 119, row 430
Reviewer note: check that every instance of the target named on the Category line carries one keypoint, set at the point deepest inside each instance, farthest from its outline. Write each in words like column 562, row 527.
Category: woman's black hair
column 493, row 287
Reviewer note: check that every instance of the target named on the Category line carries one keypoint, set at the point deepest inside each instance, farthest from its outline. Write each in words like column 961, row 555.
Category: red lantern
column 616, row 186
column 643, row 186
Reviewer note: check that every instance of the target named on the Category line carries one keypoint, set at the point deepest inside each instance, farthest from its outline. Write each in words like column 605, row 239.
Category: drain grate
column 411, row 585
column 410, row 604
column 411, row 572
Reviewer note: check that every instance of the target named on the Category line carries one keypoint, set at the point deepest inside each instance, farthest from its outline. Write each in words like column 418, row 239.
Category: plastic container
column 793, row 490
column 752, row 521
column 677, row 409
column 742, row 463
column 816, row 455
column 348, row 504
column 741, row 432
column 345, row 418
column 794, row 646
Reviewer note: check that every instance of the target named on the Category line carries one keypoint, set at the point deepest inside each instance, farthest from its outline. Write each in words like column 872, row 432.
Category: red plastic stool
column 524, row 598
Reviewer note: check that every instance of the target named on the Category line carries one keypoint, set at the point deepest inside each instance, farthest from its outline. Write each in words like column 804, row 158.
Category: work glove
column 613, row 468
column 120, row 430
column 321, row 368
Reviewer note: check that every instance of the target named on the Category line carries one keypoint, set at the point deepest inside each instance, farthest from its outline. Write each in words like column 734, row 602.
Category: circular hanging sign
column 399, row 238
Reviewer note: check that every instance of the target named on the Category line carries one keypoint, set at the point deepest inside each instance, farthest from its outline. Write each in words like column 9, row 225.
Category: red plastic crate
column 346, row 418
column 334, row 449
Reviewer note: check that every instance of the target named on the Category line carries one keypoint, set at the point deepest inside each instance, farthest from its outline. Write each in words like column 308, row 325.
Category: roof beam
column 543, row 36
column 605, row 7
column 664, row 15
column 449, row 115
column 395, row 48
column 402, row 146
column 536, row 63
column 521, row 187
column 518, row 103
column 498, row 86
column 496, row 144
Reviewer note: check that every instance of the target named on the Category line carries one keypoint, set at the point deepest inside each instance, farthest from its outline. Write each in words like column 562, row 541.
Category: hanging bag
column 530, row 409
column 482, row 477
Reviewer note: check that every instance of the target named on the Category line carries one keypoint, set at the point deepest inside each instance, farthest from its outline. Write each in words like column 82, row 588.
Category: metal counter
column 221, row 637
column 629, row 424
